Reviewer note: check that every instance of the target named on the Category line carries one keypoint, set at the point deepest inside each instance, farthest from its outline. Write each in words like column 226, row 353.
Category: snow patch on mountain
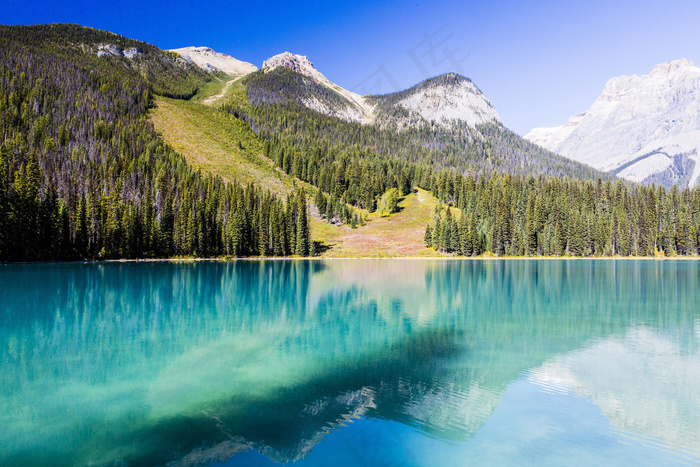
column 210, row 60
column 358, row 110
column 644, row 128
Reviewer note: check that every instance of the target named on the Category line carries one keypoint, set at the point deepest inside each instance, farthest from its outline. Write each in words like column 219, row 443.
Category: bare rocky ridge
column 450, row 97
column 358, row 108
column 210, row 60
column 111, row 49
column 642, row 128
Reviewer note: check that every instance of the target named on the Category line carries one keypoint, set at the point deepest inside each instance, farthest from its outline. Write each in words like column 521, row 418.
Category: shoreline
column 345, row 258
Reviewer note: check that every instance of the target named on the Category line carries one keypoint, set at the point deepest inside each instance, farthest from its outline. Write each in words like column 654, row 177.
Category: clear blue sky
column 538, row 62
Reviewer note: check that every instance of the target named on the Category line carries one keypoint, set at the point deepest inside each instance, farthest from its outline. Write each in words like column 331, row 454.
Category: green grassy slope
column 217, row 142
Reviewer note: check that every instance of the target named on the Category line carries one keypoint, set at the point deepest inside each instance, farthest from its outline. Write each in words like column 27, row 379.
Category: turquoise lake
column 350, row 362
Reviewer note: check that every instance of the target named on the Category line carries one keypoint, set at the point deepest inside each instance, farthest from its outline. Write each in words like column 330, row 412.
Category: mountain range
column 443, row 100
column 446, row 114
column 645, row 129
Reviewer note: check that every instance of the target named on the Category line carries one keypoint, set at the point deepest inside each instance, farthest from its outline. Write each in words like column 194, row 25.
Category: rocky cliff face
column 210, row 60
column 643, row 128
column 111, row 49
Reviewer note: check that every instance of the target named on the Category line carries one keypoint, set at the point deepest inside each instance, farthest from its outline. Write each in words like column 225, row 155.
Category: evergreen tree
column 437, row 233
column 428, row 237
column 320, row 202
column 302, row 230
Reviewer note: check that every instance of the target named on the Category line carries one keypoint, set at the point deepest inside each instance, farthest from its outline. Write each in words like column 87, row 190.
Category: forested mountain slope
column 83, row 174
column 218, row 143
column 278, row 99
column 167, row 73
column 223, row 145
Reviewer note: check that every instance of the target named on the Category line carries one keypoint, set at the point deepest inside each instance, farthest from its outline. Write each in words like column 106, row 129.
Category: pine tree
column 531, row 225
column 320, row 202
column 81, row 234
column 329, row 211
column 437, row 232
column 302, row 230
column 454, row 235
column 277, row 249
column 464, row 235
column 238, row 230
column 264, row 226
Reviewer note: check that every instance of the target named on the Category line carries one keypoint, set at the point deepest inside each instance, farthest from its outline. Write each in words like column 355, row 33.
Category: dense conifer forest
column 83, row 174
column 528, row 216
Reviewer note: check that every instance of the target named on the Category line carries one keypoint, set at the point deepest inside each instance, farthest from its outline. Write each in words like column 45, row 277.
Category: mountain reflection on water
column 192, row 363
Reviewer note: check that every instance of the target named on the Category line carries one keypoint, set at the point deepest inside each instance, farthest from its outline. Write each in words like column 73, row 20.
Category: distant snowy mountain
column 443, row 99
column 356, row 108
column 642, row 128
column 210, row 60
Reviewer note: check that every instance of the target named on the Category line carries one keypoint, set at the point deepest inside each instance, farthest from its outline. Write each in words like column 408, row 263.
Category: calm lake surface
column 351, row 362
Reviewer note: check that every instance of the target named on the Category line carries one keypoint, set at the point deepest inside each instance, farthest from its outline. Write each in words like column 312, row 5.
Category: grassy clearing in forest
column 236, row 94
column 400, row 234
column 217, row 142
column 212, row 88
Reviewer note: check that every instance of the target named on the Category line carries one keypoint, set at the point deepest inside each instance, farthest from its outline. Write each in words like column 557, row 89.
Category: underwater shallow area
column 350, row 362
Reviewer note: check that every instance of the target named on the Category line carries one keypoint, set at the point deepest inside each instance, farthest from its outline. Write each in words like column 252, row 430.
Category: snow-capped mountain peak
column 673, row 66
column 643, row 128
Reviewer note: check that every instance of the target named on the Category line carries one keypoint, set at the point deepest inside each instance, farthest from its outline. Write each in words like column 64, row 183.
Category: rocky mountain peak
column 643, row 128
column 357, row 108
column 671, row 67
column 211, row 60
column 444, row 99
column 193, row 49
column 299, row 63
